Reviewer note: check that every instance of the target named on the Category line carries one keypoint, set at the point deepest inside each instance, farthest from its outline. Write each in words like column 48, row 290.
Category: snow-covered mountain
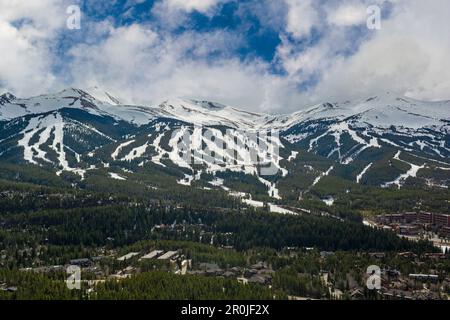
column 381, row 111
column 384, row 110
column 80, row 131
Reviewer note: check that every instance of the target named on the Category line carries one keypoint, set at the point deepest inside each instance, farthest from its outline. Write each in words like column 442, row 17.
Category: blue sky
column 259, row 39
column 261, row 55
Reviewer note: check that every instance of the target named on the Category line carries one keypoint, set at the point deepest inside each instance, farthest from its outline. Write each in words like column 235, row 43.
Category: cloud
column 325, row 53
column 132, row 3
column 171, row 14
column 27, row 32
column 191, row 5
column 348, row 14
column 408, row 56
column 142, row 66
column 24, row 66
column 301, row 18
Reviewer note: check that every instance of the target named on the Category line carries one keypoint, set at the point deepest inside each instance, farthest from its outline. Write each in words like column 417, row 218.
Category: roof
column 418, row 275
column 168, row 255
column 152, row 254
column 209, row 266
column 259, row 265
column 80, row 261
column 399, row 294
column 257, row 279
column 357, row 292
column 128, row 256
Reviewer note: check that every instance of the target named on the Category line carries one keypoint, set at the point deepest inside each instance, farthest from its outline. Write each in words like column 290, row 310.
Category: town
column 332, row 275
column 434, row 227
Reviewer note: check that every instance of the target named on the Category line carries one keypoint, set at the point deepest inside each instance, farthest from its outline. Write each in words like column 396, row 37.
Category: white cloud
column 408, row 55
column 146, row 63
column 301, row 18
column 42, row 15
column 348, row 14
column 174, row 13
column 191, row 5
column 131, row 3
column 27, row 29
column 24, row 66
column 143, row 67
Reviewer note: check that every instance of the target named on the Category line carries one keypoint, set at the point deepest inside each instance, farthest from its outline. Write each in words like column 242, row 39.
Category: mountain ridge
column 346, row 108
column 405, row 140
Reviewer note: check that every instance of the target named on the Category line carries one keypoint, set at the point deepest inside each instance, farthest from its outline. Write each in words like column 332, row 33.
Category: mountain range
column 385, row 141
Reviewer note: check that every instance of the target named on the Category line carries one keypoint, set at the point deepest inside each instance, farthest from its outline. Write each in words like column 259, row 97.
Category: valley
column 252, row 206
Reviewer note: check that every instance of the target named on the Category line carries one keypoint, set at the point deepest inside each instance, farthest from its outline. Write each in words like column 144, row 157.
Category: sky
column 260, row 55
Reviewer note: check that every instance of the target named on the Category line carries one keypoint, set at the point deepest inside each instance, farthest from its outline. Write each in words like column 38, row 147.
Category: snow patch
column 323, row 174
column 410, row 173
column 116, row 153
column 361, row 175
column 329, row 201
column 116, row 176
column 293, row 156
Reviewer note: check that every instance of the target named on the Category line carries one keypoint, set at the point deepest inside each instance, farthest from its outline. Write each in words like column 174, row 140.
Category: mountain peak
column 387, row 97
column 175, row 103
column 94, row 92
column 7, row 98
column 71, row 92
column 102, row 95
column 208, row 104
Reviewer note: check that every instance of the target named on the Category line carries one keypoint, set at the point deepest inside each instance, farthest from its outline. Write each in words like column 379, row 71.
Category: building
column 442, row 220
column 445, row 232
column 435, row 255
column 425, row 217
column 259, row 265
column 409, row 230
column 9, row 289
column 393, row 273
column 407, row 217
column 357, row 294
column 378, row 255
column 129, row 270
column 424, row 277
column 390, row 218
column 407, row 254
column 81, row 262
column 211, row 268
column 169, row 255
column 228, row 274
column 325, row 254
column 128, row 256
column 152, row 255
column 397, row 295
column 259, row 279
column 410, row 217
